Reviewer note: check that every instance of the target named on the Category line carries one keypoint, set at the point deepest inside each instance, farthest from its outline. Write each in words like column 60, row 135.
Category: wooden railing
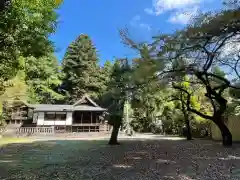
column 31, row 131
column 104, row 128
column 35, row 131
column 86, row 124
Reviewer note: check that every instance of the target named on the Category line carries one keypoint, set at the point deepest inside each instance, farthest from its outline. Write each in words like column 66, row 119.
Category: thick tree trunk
column 226, row 134
column 114, row 136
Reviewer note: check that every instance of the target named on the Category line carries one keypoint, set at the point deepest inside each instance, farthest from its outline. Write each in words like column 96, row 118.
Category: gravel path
column 96, row 136
column 150, row 158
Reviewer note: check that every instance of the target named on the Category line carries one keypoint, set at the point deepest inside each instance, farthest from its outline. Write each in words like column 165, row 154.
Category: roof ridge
column 88, row 98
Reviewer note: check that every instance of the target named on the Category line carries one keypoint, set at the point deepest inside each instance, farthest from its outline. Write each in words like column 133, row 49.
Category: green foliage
column 118, row 90
column 203, row 50
column 176, row 77
column 148, row 101
column 80, row 68
column 16, row 88
column 29, row 22
column 43, row 79
column 25, row 28
column 104, row 77
column 27, row 69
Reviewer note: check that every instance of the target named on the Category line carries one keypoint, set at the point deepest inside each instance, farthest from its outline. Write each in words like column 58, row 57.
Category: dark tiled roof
column 87, row 108
column 56, row 107
column 51, row 107
column 78, row 106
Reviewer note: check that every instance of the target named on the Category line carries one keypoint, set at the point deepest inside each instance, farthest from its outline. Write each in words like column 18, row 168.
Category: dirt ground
column 136, row 159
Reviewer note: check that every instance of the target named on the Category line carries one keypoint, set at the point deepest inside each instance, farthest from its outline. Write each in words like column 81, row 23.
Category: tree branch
column 212, row 54
column 223, row 42
column 200, row 114
column 189, row 104
column 233, row 67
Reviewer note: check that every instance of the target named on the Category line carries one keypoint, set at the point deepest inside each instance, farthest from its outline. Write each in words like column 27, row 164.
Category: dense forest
column 182, row 79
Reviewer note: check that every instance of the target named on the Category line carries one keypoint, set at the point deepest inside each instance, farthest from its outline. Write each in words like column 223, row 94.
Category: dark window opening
column 83, row 117
column 49, row 116
column 61, row 117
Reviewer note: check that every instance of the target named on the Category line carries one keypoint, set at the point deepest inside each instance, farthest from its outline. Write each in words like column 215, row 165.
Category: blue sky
column 102, row 19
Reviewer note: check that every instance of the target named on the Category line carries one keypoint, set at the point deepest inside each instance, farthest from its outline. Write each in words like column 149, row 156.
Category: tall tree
column 80, row 68
column 207, row 42
column 147, row 93
column 204, row 43
column 182, row 99
column 104, row 77
column 25, row 28
column 116, row 96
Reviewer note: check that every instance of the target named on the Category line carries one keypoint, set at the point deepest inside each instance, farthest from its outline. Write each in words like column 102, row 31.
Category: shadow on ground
column 133, row 159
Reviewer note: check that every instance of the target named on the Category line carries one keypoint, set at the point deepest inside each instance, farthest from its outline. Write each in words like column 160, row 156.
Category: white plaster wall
column 35, row 117
column 40, row 119
column 69, row 118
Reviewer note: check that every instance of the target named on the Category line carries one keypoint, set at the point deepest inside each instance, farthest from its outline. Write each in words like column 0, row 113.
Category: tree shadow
column 133, row 159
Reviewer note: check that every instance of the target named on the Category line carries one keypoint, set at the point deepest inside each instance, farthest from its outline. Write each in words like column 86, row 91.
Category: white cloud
column 135, row 22
column 183, row 17
column 161, row 6
column 180, row 11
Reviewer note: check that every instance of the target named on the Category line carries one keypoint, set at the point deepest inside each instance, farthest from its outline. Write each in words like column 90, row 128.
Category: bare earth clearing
column 146, row 158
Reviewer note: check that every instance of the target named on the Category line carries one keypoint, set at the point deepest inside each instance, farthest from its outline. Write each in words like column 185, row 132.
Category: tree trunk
column 187, row 123
column 113, row 139
column 189, row 133
column 226, row 134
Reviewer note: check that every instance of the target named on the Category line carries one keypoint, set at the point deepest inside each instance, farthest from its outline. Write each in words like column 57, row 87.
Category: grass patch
column 11, row 140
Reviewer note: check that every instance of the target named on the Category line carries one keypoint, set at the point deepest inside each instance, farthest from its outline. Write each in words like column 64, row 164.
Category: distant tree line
column 180, row 79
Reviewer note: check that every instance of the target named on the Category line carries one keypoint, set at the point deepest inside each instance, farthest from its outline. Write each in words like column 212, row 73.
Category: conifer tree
column 80, row 68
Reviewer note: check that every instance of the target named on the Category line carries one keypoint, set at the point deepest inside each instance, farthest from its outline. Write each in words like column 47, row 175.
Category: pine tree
column 106, row 72
column 104, row 79
column 117, row 95
column 80, row 68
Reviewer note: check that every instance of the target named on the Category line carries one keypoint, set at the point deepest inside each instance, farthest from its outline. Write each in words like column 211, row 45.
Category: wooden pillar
column 91, row 117
column 81, row 117
column 96, row 122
